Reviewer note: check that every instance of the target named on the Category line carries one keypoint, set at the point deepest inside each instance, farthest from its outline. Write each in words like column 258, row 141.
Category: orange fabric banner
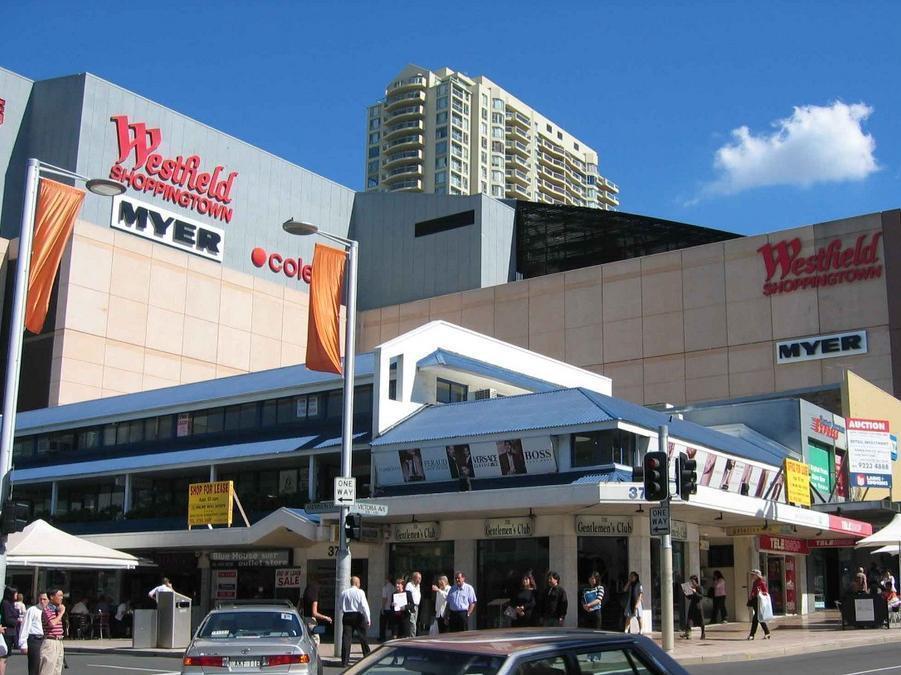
column 323, row 328
column 54, row 220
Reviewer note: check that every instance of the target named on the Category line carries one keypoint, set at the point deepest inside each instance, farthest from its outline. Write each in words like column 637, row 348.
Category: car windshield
column 404, row 660
column 224, row 625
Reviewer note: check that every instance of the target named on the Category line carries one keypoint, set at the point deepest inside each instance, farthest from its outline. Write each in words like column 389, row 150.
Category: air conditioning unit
column 481, row 394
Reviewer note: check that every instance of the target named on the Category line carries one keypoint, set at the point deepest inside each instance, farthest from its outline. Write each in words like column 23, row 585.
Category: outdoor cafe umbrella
column 889, row 537
column 42, row 545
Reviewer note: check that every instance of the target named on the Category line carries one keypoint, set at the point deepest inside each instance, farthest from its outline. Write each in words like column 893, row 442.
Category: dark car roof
column 504, row 641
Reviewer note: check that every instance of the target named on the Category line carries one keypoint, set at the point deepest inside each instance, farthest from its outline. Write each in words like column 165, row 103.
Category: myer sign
column 821, row 347
column 603, row 526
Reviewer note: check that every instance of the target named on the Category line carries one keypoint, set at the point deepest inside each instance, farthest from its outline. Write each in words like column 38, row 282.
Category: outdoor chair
column 100, row 626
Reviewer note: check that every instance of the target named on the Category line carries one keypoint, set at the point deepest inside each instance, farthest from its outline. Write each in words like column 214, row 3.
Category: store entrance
column 775, row 581
column 609, row 557
column 679, row 576
column 431, row 559
column 501, row 564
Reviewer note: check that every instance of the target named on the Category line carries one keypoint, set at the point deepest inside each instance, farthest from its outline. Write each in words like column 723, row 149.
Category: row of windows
column 235, row 418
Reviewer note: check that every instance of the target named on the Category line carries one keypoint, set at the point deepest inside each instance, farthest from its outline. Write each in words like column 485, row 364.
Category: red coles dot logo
column 293, row 268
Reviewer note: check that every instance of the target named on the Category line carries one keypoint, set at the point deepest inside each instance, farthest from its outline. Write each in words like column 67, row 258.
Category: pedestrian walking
column 52, row 652
column 521, row 608
column 634, row 596
column 31, row 636
column 9, row 616
column 693, row 615
column 719, row 598
column 414, row 586
column 461, row 603
column 387, row 614
column 311, row 609
column 441, row 589
column 355, row 619
column 758, row 588
column 593, row 600
column 554, row 604
column 164, row 587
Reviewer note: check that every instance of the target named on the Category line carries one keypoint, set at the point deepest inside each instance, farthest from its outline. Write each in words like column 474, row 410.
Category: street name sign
column 321, row 507
column 660, row 523
column 345, row 491
column 369, row 509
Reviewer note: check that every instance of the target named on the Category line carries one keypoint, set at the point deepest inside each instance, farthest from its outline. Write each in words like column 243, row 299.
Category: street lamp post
column 342, row 564
column 34, row 168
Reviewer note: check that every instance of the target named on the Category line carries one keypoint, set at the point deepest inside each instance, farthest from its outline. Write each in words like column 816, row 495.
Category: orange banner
column 323, row 329
column 54, row 220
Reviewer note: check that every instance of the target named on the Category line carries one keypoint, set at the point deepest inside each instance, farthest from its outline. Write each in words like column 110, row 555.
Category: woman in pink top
column 719, row 598
column 758, row 587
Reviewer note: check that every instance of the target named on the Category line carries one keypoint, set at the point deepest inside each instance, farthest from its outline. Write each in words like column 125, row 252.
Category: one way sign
column 345, row 491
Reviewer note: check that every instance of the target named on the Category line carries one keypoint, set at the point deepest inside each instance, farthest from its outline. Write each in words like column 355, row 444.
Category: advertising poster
column 797, row 482
column 289, row 578
column 225, row 584
column 790, row 585
column 869, row 453
column 821, row 477
column 210, row 503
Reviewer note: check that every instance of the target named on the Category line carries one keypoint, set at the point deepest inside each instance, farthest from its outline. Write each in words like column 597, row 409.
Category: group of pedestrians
column 36, row 631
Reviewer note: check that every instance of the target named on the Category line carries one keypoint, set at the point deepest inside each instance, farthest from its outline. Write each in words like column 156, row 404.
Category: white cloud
column 817, row 144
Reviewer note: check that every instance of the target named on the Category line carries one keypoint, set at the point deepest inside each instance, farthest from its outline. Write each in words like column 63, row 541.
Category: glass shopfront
column 431, row 559
column 603, row 547
column 247, row 574
column 502, row 563
column 680, row 560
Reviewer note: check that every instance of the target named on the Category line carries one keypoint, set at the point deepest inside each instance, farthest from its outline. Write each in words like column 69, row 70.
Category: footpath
column 813, row 633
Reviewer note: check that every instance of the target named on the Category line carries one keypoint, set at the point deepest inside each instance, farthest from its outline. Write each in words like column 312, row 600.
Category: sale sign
column 288, row 578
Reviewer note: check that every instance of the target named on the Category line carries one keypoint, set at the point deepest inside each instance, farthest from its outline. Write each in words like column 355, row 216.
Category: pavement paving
column 794, row 635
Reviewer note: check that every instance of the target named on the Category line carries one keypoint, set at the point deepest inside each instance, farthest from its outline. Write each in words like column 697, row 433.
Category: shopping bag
column 433, row 628
column 764, row 607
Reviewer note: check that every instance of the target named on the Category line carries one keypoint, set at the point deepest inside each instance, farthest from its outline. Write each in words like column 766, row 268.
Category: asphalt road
column 881, row 659
column 106, row 664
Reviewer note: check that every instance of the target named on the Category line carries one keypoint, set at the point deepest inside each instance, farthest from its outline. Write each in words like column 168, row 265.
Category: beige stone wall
column 677, row 327
column 134, row 315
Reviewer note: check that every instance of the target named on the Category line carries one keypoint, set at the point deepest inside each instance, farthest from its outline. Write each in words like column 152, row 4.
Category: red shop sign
column 842, row 524
column 830, row 542
column 783, row 544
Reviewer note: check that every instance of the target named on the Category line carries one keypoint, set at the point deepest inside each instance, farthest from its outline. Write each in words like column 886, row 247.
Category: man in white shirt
column 31, row 634
column 165, row 587
column 413, row 586
column 355, row 609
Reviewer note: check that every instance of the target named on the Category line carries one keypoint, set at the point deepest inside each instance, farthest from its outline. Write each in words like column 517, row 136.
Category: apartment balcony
column 404, row 99
column 549, row 174
column 518, row 119
column 517, row 133
column 609, row 183
column 552, row 148
column 414, row 185
column 403, row 143
column 404, row 157
column 555, row 191
column 578, row 164
column 550, row 161
column 405, row 113
column 410, row 83
column 518, row 161
column 401, row 128
column 515, row 190
column 517, row 147
column 402, row 173
column 516, row 176
column 606, row 197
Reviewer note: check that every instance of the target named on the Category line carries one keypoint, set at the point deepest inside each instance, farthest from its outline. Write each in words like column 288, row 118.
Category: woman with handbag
column 758, row 589
column 521, row 608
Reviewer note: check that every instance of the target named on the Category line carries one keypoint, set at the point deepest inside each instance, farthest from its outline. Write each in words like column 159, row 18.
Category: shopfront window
column 609, row 557
column 607, row 446
column 502, row 563
column 431, row 559
column 679, row 576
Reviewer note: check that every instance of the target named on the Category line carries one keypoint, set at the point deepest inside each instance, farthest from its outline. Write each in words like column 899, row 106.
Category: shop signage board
column 416, row 531
column 797, row 482
column 289, row 578
column 750, row 530
column 501, row 528
column 818, row 347
column 250, row 558
column 225, row 584
column 603, row 526
column 788, row 545
column 345, row 491
column 831, row 542
column 821, row 476
column 660, row 523
column 869, row 453
column 211, row 503
column 679, row 529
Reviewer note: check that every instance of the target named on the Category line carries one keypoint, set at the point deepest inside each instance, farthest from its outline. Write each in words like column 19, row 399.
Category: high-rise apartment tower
column 448, row 133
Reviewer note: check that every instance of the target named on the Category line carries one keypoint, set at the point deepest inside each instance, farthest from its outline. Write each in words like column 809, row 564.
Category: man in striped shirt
column 52, row 622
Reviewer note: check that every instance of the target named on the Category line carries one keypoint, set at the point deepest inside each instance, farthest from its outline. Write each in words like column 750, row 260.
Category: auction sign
column 797, row 482
column 211, row 503
column 869, row 453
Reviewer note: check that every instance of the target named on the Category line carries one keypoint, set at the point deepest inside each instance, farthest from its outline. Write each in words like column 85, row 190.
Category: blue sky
column 744, row 116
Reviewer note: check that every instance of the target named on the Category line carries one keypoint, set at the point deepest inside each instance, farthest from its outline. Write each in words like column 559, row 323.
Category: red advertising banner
column 830, row 542
column 856, row 527
column 783, row 545
column 790, row 605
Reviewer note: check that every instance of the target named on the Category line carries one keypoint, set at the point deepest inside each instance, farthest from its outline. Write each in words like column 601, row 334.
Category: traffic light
column 353, row 526
column 686, row 476
column 14, row 517
column 656, row 477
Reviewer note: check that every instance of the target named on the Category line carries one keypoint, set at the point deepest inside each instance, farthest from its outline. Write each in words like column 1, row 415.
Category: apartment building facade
column 447, row 133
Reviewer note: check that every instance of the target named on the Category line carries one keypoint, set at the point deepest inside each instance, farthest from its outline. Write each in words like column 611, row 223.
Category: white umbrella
column 892, row 550
column 42, row 545
column 889, row 537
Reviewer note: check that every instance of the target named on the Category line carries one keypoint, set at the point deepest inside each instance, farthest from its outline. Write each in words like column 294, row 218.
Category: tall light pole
column 98, row 186
column 342, row 564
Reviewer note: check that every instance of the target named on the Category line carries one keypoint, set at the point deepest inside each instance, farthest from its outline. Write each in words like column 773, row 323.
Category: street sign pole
column 666, row 562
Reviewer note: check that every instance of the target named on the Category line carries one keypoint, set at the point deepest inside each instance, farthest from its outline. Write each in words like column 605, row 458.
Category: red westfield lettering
column 787, row 270
column 175, row 179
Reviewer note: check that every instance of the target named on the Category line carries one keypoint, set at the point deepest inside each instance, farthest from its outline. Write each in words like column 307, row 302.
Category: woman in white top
column 441, row 590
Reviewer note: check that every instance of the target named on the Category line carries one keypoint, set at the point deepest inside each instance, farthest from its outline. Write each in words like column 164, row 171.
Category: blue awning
column 179, row 458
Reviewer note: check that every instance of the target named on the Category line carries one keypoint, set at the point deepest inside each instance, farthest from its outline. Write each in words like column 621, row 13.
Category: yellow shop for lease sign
column 210, row 503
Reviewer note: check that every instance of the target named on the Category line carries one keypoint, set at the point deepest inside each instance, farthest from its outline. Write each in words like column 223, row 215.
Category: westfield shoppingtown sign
column 787, row 270
column 175, row 179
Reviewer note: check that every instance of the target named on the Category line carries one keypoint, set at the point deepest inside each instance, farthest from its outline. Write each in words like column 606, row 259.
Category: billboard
column 869, row 453
column 211, row 503
column 797, row 482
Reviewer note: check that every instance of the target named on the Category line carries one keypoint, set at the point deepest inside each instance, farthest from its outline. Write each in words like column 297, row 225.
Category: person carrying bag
column 759, row 602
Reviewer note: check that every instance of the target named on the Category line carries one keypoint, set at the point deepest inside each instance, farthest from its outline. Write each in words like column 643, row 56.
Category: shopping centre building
column 171, row 356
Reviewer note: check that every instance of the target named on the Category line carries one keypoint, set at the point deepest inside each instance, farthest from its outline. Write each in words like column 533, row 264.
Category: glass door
column 775, row 581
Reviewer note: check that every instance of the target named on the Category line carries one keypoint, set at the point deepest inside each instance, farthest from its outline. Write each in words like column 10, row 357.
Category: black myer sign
column 821, row 347
column 169, row 228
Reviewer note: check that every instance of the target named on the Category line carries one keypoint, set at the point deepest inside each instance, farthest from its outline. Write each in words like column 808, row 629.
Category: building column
column 214, row 473
column 126, row 501
column 54, row 497
column 312, row 479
